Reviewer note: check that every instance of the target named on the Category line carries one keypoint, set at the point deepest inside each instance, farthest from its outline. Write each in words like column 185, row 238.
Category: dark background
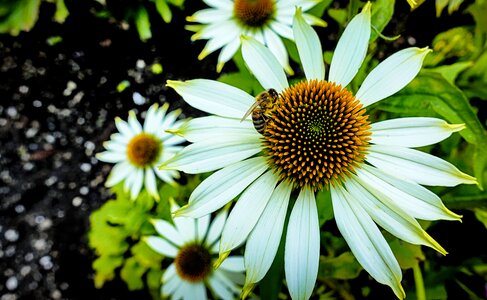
column 57, row 105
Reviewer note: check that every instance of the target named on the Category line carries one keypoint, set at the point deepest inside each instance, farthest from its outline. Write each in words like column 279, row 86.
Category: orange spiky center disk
column 193, row 263
column 144, row 149
column 317, row 134
column 253, row 13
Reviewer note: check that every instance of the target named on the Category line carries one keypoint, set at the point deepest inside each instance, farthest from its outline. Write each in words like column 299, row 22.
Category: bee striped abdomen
column 259, row 121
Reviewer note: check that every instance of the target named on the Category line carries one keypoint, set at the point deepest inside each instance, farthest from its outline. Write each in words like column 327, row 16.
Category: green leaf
column 324, row 205
column 430, row 90
column 479, row 10
column 382, row 11
column 163, row 10
column 19, row 15
column 61, row 11
column 451, row 72
column 143, row 24
column 344, row 266
column 407, row 255
column 339, row 15
column 481, row 215
column 132, row 273
column 104, row 267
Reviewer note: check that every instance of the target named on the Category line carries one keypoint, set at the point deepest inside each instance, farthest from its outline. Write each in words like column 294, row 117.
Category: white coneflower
column 193, row 244
column 138, row 151
column 317, row 136
column 266, row 20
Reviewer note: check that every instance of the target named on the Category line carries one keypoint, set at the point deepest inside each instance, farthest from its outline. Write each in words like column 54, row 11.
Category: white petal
column 391, row 217
column 111, row 157
column 137, row 184
column 167, row 230
column 195, row 291
column 218, row 35
column 219, row 288
column 412, row 198
column 149, row 116
column 171, row 284
column 170, row 118
column 302, row 250
column 214, row 97
column 119, row 172
column 227, row 52
column 263, row 64
column 113, row 146
column 161, row 246
column 263, row 241
column 283, row 30
column 202, row 225
column 212, row 127
column 214, row 154
column 169, row 273
column 150, row 183
column 209, row 15
column 391, row 75
column 220, row 4
column 222, row 186
column 167, row 175
column 186, row 228
column 309, row 48
column 233, row 264
column 134, row 123
column 366, row 241
column 351, row 49
column 129, row 181
column 124, row 128
column 276, row 46
column 216, row 228
column 412, row 132
column 247, row 211
column 417, row 166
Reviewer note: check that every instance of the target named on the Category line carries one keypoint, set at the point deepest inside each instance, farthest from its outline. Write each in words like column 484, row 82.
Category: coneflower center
column 253, row 13
column 317, row 134
column 193, row 263
column 144, row 149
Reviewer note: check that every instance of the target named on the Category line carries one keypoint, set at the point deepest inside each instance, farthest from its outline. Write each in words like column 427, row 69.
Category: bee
column 262, row 109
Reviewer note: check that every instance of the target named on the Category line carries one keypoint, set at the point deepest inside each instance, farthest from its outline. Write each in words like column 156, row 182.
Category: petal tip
column 220, row 259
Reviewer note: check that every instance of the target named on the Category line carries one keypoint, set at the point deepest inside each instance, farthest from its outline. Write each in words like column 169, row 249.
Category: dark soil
column 57, row 105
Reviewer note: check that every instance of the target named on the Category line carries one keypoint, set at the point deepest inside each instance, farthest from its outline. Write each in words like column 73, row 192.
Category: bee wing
column 256, row 103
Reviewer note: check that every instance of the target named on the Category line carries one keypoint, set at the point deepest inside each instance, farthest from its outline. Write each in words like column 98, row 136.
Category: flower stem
column 418, row 280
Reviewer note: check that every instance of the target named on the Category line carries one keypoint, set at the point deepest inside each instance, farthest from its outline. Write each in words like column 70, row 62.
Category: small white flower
column 138, row 151
column 268, row 21
column 194, row 244
column 317, row 136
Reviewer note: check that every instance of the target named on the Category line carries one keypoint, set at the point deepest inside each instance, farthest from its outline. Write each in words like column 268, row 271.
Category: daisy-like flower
column 265, row 20
column 138, row 151
column 193, row 244
column 317, row 136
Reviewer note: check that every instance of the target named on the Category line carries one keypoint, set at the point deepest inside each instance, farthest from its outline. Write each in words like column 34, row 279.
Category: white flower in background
column 138, row 151
column 268, row 21
column 317, row 136
column 193, row 244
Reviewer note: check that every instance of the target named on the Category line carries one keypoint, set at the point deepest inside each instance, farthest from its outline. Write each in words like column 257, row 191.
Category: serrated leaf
column 154, row 279
column 145, row 256
column 104, row 267
column 407, row 254
column 345, row 266
column 132, row 273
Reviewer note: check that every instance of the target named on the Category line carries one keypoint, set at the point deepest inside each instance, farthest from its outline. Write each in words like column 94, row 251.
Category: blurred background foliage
column 452, row 86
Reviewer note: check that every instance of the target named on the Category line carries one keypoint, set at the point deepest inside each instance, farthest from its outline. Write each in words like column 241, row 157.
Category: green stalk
column 418, row 280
